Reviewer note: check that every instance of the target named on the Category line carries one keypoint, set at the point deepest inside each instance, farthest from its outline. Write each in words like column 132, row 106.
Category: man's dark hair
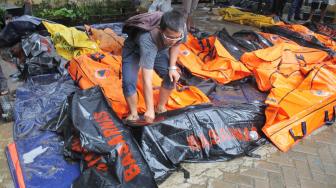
column 172, row 20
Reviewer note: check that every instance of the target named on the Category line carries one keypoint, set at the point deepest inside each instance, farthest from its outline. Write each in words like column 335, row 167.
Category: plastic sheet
column 234, row 15
column 70, row 42
column 200, row 134
column 238, row 92
column 38, row 101
column 110, row 156
column 37, row 160
column 231, row 44
column 15, row 30
column 292, row 114
column 207, row 58
column 322, row 29
column 41, row 57
column 116, row 27
column 305, row 37
column 104, row 69
column 251, row 40
column 282, row 65
column 107, row 39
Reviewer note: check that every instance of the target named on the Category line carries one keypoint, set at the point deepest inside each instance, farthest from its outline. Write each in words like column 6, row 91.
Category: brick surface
column 315, row 164
column 325, row 138
column 255, row 173
column 311, row 184
column 219, row 183
column 261, row 183
column 276, row 180
column 296, row 155
column 290, row 178
column 245, row 186
column 302, row 169
column 325, row 155
column 305, row 149
column 333, row 151
column 239, row 179
column 5, row 139
column 281, row 160
column 331, row 179
column 271, row 167
column 330, row 168
column 320, row 177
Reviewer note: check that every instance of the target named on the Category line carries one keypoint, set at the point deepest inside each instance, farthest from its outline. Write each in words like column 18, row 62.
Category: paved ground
column 6, row 131
column 5, row 138
column 311, row 163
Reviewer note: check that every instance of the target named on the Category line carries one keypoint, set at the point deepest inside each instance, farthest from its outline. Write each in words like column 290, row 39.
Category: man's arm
column 173, row 54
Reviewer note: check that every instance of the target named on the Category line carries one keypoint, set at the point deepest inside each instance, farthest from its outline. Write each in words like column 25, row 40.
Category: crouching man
column 153, row 45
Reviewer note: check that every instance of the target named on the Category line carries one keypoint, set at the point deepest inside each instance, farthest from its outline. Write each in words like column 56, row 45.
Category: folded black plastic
column 323, row 29
column 237, row 92
column 302, row 39
column 40, row 56
column 230, row 44
column 18, row 28
column 200, row 134
column 251, row 40
column 92, row 132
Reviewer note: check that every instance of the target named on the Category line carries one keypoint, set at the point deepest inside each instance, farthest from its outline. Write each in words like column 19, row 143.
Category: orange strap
column 16, row 163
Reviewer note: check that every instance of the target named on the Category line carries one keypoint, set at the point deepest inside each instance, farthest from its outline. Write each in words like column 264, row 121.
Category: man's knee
column 129, row 88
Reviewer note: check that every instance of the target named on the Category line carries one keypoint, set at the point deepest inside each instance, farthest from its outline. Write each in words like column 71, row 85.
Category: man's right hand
column 149, row 116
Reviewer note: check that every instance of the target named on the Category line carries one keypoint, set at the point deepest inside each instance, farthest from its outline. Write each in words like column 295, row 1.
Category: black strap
column 97, row 56
column 186, row 173
column 77, row 79
column 304, row 132
column 211, row 50
column 66, row 66
column 200, row 42
column 331, row 121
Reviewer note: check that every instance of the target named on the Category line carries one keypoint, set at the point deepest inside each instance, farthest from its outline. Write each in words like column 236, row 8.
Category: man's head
column 172, row 27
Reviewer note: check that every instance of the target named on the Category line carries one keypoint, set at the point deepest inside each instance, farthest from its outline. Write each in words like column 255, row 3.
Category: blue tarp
column 40, row 153
column 39, row 101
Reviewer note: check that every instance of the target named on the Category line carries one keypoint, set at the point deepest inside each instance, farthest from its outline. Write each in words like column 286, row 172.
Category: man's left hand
column 174, row 76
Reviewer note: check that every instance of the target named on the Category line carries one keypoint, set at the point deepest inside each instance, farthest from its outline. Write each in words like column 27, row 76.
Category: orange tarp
column 283, row 65
column 302, row 85
column 106, row 73
column 207, row 58
column 294, row 113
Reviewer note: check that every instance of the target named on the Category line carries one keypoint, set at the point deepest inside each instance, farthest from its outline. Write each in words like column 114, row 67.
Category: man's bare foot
column 160, row 109
column 132, row 117
column 149, row 116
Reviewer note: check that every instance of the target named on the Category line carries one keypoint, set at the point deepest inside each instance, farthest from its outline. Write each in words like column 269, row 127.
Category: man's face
column 171, row 37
